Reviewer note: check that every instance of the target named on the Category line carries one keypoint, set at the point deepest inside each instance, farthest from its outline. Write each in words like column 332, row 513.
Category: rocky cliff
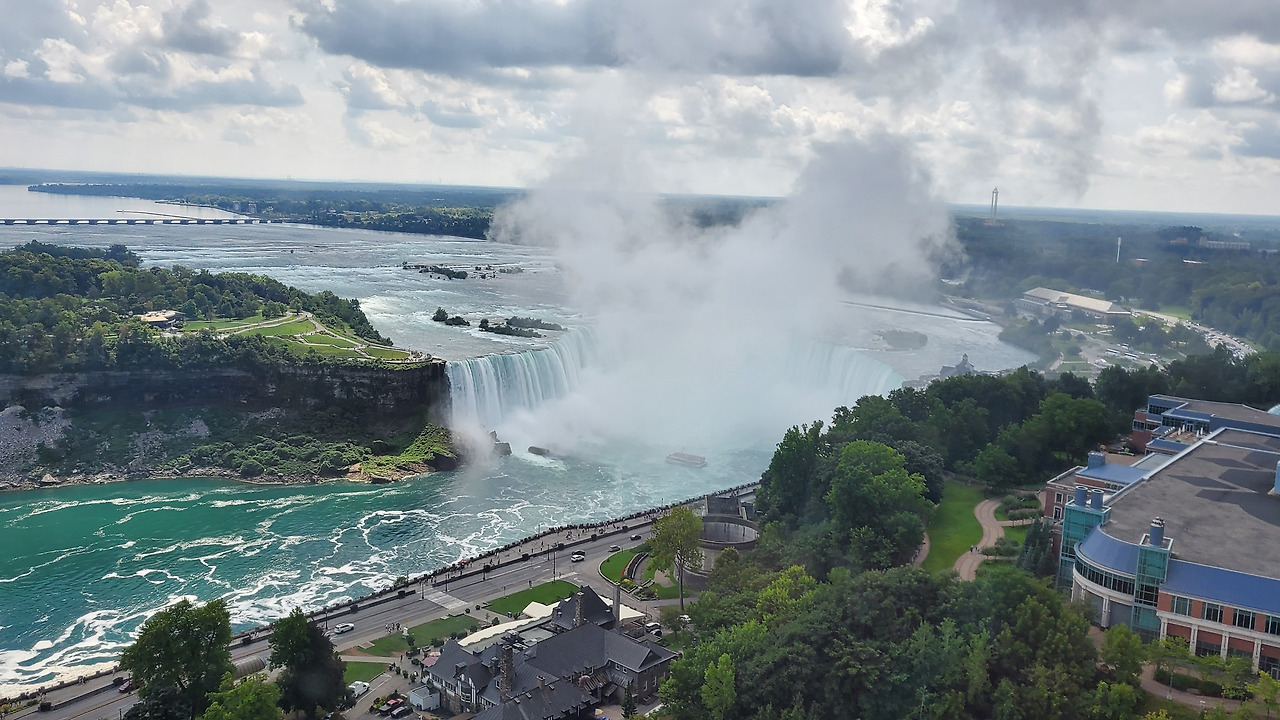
column 355, row 389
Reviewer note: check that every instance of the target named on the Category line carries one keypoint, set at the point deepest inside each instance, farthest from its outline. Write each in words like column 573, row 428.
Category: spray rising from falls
column 812, row 378
column 485, row 390
column 843, row 372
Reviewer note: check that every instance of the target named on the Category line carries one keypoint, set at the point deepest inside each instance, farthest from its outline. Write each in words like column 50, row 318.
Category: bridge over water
column 137, row 221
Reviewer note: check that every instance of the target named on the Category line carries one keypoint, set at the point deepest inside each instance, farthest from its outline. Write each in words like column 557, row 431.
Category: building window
column 1057, row 513
column 1273, row 624
column 1243, row 619
column 1212, row 612
column 1181, row 605
column 1204, row 649
column 1057, row 497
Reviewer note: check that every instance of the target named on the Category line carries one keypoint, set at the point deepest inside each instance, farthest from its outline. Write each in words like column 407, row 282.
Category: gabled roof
column 555, row 700
column 595, row 611
column 453, row 655
column 587, row 648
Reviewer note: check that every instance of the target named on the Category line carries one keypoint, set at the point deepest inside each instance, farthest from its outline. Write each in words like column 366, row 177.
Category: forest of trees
column 822, row 620
column 1234, row 290
column 66, row 309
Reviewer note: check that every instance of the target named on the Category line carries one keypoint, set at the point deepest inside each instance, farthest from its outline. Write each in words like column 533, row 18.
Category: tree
column 166, row 702
column 252, row 699
column 671, row 616
column 183, row 646
column 629, row 702
column 1122, row 650
column 718, row 692
column 313, row 674
column 676, row 542
column 1266, row 692
column 1166, row 651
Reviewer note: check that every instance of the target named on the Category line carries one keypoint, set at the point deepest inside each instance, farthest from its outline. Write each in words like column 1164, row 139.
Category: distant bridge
column 137, row 221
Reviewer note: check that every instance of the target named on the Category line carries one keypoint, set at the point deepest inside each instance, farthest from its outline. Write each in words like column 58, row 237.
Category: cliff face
column 359, row 390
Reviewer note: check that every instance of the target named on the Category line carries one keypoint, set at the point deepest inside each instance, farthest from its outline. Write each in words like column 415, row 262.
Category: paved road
column 425, row 603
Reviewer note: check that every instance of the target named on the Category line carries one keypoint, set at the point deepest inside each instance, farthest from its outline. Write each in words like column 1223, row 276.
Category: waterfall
column 842, row 371
column 485, row 390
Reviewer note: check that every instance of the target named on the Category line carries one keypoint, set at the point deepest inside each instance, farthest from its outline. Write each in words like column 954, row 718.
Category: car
column 358, row 688
column 654, row 628
column 636, row 536
column 128, row 687
column 343, row 628
column 614, row 548
column 684, row 619
column 391, row 706
column 401, row 711
column 578, row 557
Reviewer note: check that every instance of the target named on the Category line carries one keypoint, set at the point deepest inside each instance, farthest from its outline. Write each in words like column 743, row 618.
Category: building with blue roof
column 1185, row 550
column 1170, row 424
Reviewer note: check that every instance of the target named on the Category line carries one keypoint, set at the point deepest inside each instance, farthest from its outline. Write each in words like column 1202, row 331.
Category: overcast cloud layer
column 1150, row 104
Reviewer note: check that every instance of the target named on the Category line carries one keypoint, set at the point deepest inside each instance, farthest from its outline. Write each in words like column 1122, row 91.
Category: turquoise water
column 87, row 564
column 84, row 566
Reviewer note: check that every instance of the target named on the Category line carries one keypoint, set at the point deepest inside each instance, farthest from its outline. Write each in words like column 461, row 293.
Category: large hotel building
column 1187, row 549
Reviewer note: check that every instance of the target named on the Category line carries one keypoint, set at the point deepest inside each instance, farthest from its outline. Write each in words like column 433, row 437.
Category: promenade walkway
column 992, row 530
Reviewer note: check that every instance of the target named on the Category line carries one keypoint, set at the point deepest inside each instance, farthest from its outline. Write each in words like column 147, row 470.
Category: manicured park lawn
column 953, row 527
column 387, row 646
column 1017, row 533
column 395, row 643
column 615, row 564
column 546, row 593
column 363, row 671
column 444, row 627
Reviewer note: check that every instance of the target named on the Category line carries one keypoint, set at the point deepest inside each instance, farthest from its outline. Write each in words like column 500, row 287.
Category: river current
column 84, row 566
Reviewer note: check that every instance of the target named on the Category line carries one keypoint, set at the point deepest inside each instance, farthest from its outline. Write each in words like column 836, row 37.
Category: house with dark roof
column 584, row 661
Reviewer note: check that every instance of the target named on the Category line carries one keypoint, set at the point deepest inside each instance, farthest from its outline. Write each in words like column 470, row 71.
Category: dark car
column 637, row 536
column 128, row 687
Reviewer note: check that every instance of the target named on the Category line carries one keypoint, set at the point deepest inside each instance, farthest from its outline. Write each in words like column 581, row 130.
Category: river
column 86, row 565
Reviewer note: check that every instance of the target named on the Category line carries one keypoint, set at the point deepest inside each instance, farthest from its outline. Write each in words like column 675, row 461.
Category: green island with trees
column 246, row 376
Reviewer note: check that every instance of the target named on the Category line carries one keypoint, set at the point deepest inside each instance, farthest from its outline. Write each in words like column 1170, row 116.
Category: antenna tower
column 1118, row 249
column 995, row 203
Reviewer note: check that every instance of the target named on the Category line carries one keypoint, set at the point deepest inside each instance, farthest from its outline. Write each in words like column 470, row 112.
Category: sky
column 1142, row 104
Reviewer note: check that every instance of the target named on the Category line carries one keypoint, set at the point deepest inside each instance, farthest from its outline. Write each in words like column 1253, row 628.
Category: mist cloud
column 703, row 327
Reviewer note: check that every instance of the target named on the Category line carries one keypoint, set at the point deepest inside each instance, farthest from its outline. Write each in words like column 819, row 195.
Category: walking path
column 992, row 530
column 922, row 552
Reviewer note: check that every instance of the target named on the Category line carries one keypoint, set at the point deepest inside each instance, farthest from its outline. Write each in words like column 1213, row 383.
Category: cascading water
column 841, row 371
column 485, row 390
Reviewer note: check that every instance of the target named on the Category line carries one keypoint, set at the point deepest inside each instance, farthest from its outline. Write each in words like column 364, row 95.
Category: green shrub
column 251, row 468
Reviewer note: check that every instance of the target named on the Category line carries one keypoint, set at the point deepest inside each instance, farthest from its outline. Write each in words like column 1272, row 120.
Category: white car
column 343, row 628
column 358, row 688
column 578, row 557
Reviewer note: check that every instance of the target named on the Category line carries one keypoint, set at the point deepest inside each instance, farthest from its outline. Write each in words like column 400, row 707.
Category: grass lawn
column 363, row 671
column 289, row 328
column 546, row 593
column 442, row 628
column 615, row 564
column 1017, row 532
column 953, row 527
column 322, row 339
column 1179, row 311
column 386, row 353
column 387, row 646
column 194, row 325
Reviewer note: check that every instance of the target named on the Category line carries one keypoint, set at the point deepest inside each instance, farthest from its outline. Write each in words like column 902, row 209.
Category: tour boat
column 679, row 458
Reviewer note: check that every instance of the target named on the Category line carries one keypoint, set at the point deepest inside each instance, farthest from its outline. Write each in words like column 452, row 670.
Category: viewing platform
column 138, row 221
